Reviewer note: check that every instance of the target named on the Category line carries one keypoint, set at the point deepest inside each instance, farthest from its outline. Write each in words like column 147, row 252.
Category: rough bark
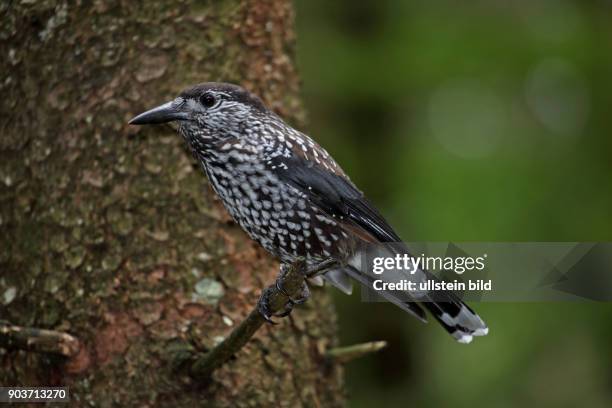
column 111, row 234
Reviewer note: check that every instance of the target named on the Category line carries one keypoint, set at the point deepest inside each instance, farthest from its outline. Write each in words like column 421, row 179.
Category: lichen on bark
column 111, row 233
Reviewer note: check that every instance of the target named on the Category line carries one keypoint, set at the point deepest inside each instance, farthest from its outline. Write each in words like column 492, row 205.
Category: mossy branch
column 38, row 340
column 202, row 365
column 348, row 353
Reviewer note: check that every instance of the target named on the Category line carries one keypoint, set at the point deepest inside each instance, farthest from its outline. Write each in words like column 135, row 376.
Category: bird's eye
column 207, row 100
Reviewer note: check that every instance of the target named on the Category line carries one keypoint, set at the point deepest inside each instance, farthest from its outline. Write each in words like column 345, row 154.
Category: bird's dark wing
column 326, row 186
column 331, row 191
column 335, row 194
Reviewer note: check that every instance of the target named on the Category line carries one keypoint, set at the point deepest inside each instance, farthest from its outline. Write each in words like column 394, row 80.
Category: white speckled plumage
column 241, row 148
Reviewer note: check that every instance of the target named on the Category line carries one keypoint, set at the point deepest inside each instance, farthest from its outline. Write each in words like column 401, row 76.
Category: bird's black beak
column 167, row 112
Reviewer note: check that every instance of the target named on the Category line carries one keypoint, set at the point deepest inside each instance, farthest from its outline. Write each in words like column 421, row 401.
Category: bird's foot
column 263, row 305
column 304, row 292
column 264, row 301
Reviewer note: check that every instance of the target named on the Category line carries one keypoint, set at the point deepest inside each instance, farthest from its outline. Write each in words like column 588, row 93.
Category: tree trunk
column 110, row 233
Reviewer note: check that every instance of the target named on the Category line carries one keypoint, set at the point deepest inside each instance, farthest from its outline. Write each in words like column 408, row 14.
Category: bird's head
column 210, row 110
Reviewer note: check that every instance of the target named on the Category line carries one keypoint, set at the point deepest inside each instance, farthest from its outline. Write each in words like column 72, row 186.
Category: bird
column 289, row 195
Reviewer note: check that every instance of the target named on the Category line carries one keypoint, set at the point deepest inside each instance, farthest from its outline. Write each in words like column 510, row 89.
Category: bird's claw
column 263, row 305
column 304, row 295
column 287, row 311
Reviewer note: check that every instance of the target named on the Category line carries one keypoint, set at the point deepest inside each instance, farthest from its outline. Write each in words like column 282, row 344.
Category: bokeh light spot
column 467, row 118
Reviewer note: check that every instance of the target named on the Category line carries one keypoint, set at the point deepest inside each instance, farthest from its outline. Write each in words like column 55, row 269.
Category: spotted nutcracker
column 290, row 195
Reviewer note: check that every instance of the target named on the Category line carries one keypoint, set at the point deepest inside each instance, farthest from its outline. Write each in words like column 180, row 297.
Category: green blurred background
column 484, row 121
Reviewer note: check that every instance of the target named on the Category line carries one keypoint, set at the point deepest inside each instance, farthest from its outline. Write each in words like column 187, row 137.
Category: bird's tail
column 457, row 318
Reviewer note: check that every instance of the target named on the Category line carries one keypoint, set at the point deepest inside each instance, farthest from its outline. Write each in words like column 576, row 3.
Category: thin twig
column 38, row 340
column 206, row 363
column 348, row 353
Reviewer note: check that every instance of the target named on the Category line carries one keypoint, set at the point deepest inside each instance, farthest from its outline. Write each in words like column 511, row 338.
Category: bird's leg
column 304, row 294
column 264, row 301
column 320, row 268
column 291, row 301
column 263, row 305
